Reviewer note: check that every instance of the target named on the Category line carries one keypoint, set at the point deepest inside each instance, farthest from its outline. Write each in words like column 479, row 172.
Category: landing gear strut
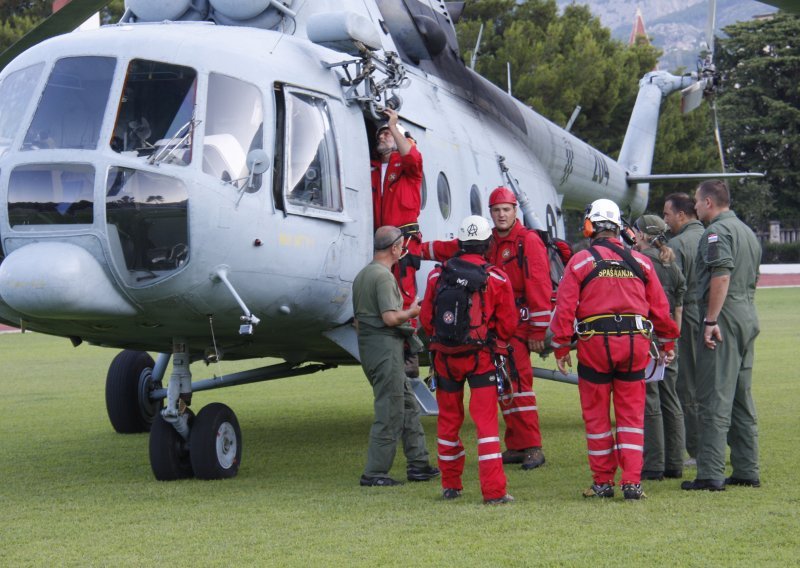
column 206, row 446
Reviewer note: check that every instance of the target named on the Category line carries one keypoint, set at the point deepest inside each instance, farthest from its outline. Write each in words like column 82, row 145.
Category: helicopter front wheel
column 169, row 451
column 128, row 386
column 216, row 443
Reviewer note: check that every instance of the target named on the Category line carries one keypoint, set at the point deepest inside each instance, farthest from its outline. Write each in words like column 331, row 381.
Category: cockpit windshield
column 72, row 106
column 156, row 112
column 16, row 92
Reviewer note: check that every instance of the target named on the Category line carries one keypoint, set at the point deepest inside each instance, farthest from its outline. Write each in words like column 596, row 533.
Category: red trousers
column 483, row 410
column 520, row 411
column 613, row 372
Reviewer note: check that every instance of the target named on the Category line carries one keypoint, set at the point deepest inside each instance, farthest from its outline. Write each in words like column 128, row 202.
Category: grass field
column 74, row 493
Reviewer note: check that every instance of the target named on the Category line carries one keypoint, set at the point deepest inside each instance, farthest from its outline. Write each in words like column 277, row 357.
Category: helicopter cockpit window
column 51, row 194
column 156, row 113
column 311, row 161
column 16, row 93
column 234, row 126
column 72, row 106
column 148, row 223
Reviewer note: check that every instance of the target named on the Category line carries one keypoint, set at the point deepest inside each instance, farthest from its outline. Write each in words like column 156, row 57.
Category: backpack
column 459, row 325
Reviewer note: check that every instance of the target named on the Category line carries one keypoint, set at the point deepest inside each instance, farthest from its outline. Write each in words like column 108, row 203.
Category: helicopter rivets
column 257, row 243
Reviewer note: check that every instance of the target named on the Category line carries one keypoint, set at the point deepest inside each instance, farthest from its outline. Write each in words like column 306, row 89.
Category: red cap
column 502, row 195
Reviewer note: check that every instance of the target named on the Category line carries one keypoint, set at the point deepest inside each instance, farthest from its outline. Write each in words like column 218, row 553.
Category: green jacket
column 728, row 245
column 685, row 245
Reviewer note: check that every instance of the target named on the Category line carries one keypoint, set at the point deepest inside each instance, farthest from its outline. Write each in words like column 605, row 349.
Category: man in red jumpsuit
column 616, row 299
column 492, row 321
column 521, row 254
column 397, row 198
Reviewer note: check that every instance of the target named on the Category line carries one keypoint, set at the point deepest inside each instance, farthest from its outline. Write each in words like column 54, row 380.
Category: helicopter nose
column 59, row 281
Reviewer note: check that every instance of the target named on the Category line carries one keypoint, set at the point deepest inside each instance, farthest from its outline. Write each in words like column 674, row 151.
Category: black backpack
column 459, row 325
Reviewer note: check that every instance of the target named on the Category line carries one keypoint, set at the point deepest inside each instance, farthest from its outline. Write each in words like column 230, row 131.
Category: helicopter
column 194, row 181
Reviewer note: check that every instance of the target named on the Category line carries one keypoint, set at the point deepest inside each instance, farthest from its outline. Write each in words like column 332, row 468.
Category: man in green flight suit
column 680, row 216
column 383, row 328
column 727, row 272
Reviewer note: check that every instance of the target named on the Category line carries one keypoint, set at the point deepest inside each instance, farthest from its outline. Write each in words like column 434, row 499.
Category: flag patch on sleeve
column 712, row 238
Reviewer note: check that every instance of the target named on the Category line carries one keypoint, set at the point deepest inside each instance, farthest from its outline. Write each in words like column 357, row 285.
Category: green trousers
column 687, row 372
column 663, row 424
column 397, row 415
column 727, row 412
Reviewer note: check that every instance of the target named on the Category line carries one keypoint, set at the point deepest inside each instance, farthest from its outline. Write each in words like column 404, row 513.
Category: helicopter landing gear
column 216, row 443
column 169, row 451
column 129, row 382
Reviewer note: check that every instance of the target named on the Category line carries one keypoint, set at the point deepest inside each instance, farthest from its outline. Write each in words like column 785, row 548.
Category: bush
column 780, row 253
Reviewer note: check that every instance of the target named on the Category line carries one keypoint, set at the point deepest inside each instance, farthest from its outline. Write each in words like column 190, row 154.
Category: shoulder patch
column 713, row 238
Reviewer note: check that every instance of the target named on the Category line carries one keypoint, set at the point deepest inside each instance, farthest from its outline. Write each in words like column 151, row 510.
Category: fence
column 777, row 234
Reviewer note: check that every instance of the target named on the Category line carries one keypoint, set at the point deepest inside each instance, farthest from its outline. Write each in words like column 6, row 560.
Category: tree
column 558, row 62
column 759, row 112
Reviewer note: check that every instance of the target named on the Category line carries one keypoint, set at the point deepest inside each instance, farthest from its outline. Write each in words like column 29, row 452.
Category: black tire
column 128, row 385
column 216, row 443
column 169, row 452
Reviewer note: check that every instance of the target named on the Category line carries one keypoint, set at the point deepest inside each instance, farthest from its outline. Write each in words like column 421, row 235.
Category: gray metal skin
column 298, row 281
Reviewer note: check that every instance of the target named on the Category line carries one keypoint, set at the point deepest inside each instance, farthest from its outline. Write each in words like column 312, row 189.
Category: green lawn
column 73, row 492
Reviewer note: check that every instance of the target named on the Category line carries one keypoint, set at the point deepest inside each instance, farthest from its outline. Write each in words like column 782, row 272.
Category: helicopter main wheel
column 128, row 386
column 169, row 452
column 216, row 443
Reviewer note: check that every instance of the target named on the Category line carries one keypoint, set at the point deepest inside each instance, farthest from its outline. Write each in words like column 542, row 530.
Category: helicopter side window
column 443, row 194
column 234, row 126
column 156, row 112
column 16, row 93
column 148, row 222
column 72, row 106
column 51, row 194
column 311, row 162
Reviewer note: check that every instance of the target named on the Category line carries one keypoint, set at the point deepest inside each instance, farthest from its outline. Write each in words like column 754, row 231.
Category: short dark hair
column 682, row 202
column 717, row 191
column 474, row 247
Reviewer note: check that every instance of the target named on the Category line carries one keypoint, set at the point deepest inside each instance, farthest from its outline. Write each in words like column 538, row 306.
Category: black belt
column 614, row 324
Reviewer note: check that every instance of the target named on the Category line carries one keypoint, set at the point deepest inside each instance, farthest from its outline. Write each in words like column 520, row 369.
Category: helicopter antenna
column 476, row 50
column 508, row 72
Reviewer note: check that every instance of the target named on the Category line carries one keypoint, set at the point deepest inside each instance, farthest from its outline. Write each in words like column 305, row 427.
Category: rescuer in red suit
column 492, row 322
column 612, row 299
column 521, row 254
column 397, row 198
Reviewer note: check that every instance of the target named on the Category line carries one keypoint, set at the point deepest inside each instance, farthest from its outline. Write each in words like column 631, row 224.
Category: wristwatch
column 707, row 322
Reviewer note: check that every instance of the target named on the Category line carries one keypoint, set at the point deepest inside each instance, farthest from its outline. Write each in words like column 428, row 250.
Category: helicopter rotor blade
column 65, row 20
column 692, row 96
column 710, row 26
column 718, row 136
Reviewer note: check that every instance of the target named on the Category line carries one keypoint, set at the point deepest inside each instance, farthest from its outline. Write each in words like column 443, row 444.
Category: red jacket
column 498, row 309
column 609, row 296
column 400, row 201
column 530, row 280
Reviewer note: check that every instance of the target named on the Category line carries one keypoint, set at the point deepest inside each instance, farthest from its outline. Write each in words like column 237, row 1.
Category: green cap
column 651, row 225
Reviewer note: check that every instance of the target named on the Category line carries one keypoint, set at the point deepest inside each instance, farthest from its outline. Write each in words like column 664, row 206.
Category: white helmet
column 474, row 229
column 603, row 211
